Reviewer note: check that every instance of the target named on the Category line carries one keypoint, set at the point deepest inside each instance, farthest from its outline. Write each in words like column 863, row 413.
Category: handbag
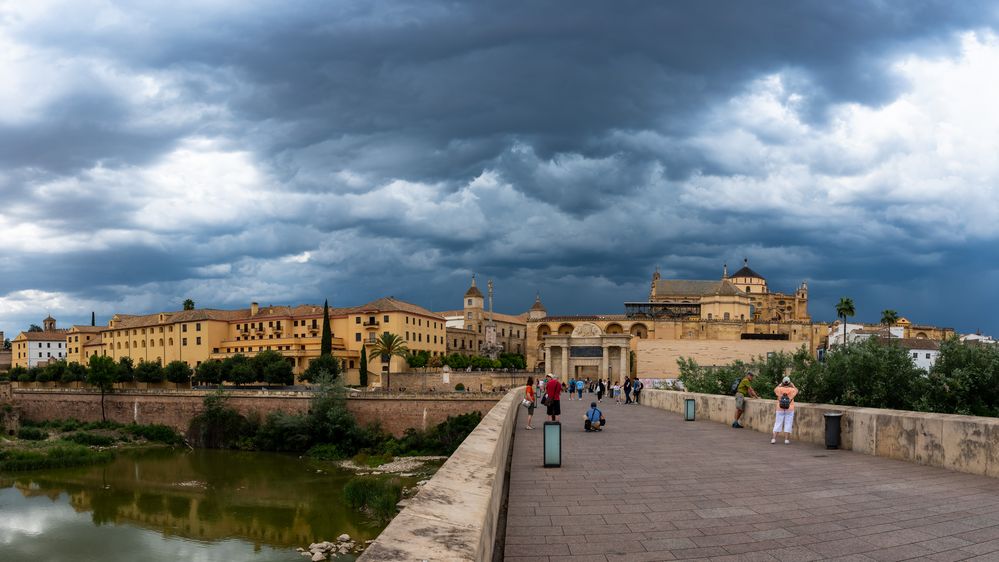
column 526, row 403
column 544, row 400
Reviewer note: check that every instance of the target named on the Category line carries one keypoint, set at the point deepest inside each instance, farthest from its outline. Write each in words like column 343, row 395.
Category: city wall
column 657, row 358
column 395, row 413
column 961, row 443
column 475, row 381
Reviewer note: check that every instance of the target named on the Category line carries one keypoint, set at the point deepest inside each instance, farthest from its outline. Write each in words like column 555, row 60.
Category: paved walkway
column 653, row 487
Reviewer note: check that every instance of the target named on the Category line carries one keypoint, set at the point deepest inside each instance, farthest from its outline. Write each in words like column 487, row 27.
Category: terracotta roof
column 462, row 330
column 537, row 305
column 97, row 340
column 582, row 318
column 695, row 288
column 392, row 304
column 451, row 313
column 50, row 335
column 917, row 343
column 88, row 329
column 146, row 320
column 473, row 291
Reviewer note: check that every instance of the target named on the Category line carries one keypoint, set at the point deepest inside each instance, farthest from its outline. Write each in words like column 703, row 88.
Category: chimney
column 254, row 308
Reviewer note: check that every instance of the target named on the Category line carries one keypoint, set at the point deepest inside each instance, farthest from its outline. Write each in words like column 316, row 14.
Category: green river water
column 155, row 505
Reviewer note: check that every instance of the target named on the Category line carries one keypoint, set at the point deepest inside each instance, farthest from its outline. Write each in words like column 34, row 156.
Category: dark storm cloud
column 563, row 146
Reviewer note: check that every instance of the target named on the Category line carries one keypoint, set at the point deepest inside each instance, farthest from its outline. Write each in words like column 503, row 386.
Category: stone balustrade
column 961, row 443
column 455, row 515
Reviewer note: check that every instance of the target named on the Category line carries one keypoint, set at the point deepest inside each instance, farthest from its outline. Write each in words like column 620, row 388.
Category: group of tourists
column 785, row 393
column 550, row 389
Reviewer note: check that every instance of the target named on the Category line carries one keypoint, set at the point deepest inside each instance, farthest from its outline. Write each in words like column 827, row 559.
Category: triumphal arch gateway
column 587, row 352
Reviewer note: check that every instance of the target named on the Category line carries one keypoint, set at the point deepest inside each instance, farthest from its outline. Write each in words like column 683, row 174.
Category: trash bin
column 833, row 429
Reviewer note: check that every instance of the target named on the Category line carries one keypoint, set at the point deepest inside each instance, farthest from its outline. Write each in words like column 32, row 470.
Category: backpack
column 735, row 386
column 784, row 402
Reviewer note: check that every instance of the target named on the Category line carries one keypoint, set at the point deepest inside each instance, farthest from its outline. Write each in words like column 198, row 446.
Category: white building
column 31, row 348
column 978, row 338
column 924, row 353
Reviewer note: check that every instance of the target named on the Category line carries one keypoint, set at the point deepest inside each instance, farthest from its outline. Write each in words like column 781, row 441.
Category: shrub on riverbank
column 61, row 456
column 32, row 434
column 151, row 432
column 89, row 439
column 379, row 495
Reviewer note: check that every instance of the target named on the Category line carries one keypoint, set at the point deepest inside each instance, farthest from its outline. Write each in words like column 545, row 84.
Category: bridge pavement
column 653, row 487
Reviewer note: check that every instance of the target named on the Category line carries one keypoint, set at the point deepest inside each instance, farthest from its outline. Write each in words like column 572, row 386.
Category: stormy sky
column 287, row 152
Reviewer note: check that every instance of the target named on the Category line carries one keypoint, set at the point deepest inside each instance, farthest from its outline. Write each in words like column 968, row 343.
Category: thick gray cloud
column 234, row 152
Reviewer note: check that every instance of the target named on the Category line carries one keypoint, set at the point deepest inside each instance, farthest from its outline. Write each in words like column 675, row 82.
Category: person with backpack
column 593, row 419
column 744, row 387
column 579, row 388
column 637, row 390
column 572, row 387
column 785, row 410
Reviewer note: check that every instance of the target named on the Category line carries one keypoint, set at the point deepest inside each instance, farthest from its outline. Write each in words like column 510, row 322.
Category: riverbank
column 69, row 443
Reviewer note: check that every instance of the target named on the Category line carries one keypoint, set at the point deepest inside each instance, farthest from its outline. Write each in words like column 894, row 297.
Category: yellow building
column 195, row 336
column 82, row 342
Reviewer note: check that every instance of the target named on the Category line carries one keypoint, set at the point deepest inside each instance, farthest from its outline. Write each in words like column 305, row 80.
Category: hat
column 786, row 380
column 593, row 404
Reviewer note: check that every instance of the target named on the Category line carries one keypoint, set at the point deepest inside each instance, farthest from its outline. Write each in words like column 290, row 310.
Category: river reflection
column 169, row 505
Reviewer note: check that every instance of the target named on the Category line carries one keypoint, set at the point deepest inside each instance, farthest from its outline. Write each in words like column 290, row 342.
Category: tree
column 35, row 328
column 103, row 374
column 209, row 372
column 126, row 370
column 324, row 366
column 177, row 372
column 386, row 346
column 93, row 318
column 844, row 308
column 326, row 344
column 238, row 370
column 889, row 318
column 364, row 367
column 270, row 366
column 149, row 371
column 188, row 304
column 964, row 380
column 6, row 344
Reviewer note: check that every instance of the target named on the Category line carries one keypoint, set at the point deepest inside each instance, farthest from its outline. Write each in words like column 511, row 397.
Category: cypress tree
column 93, row 318
column 364, row 367
column 326, row 347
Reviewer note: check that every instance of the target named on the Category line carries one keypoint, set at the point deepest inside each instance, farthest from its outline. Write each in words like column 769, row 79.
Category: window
column 469, row 315
column 419, row 337
column 183, row 328
column 915, row 355
column 385, row 318
column 709, row 316
column 726, row 316
column 351, row 366
column 183, row 341
column 357, row 337
column 197, row 340
column 49, row 344
column 407, row 319
column 469, row 302
column 927, row 355
column 357, row 320
column 371, row 319
column 407, row 335
column 270, row 324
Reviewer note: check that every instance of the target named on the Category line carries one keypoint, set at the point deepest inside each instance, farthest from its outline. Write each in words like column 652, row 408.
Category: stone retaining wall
column 961, row 443
column 395, row 413
column 455, row 515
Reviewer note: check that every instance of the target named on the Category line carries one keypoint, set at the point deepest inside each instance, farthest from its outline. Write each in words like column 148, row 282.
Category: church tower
column 49, row 324
column 538, row 310
column 473, row 306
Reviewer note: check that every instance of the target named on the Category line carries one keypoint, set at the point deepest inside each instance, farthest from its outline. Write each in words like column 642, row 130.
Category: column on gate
column 604, row 361
column 623, row 373
column 565, row 363
column 548, row 359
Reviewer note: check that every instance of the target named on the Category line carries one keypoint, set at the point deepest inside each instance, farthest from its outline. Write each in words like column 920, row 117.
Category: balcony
column 371, row 325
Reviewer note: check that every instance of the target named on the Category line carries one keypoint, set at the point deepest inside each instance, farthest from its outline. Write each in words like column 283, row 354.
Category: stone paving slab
column 653, row 487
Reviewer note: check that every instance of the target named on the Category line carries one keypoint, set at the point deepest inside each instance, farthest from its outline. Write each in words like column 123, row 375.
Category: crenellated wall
column 961, row 443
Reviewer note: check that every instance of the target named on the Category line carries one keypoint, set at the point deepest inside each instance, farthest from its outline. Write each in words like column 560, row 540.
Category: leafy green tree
column 34, row 328
column 364, row 367
column 74, row 372
column 17, row 372
column 238, row 370
column 126, row 370
column 55, row 370
column 209, row 372
column 417, row 359
column 326, row 344
column 386, row 346
column 322, row 366
column 177, row 372
column 103, row 374
column 272, row 367
column 149, row 371
column 964, row 380
column 6, row 344
column 188, row 304
column 844, row 309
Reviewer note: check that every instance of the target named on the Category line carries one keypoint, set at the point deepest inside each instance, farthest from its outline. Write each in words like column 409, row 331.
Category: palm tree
column 889, row 318
column 386, row 346
column 844, row 308
column 188, row 304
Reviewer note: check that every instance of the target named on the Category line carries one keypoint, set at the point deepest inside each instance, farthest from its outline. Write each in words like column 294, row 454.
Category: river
column 201, row 505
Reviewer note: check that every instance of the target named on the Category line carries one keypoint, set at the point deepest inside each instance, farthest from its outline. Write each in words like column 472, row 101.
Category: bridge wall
column 961, row 443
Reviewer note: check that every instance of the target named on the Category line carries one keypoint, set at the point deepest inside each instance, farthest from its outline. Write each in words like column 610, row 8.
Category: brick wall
column 176, row 408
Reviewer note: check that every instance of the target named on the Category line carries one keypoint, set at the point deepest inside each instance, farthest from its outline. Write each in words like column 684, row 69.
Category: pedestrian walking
column 530, row 397
column 600, row 390
column 553, row 389
column 616, row 392
column 579, row 388
column 627, row 391
column 745, row 387
column 784, row 421
column 636, row 388
column 572, row 387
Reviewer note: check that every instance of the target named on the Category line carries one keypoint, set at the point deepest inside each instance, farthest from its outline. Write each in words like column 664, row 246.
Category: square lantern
column 689, row 407
column 552, row 444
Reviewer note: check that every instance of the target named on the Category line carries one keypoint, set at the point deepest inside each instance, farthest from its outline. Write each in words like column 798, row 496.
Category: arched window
column 709, row 316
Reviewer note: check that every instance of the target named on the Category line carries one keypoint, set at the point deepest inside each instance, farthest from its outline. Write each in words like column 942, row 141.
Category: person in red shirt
column 553, row 388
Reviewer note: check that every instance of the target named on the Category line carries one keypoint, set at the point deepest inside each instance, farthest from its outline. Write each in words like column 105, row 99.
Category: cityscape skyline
column 236, row 153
